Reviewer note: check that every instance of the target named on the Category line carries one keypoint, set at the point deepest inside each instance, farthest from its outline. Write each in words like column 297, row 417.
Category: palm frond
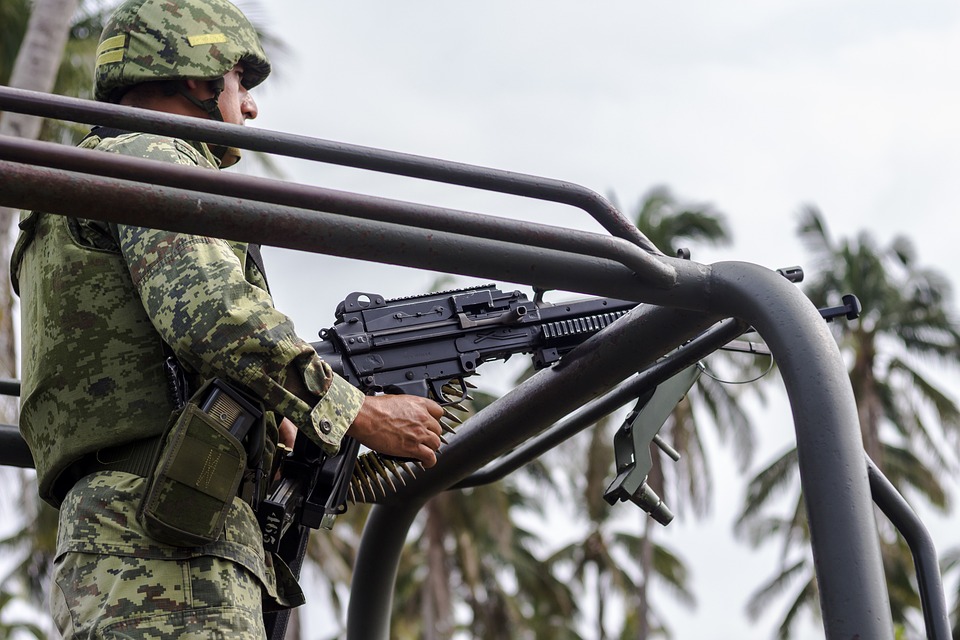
column 767, row 484
column 762, row 598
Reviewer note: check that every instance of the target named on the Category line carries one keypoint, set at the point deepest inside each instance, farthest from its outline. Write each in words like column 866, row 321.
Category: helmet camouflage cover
column 150, row 40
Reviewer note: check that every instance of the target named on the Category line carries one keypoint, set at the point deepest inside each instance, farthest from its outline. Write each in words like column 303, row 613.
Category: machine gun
column 424, row 345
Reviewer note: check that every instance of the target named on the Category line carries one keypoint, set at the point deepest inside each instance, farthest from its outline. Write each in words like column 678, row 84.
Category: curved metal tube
column 88, row 161
column 631, row 343
column 834, row 479
column 935, row 618
column 9, row 387
column 15, row 450
column 843, row 531
column 160, row 207
column 122, row 117
column 671, row 364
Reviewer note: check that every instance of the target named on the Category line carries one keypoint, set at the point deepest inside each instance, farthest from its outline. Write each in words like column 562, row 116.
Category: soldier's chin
column 230, row 157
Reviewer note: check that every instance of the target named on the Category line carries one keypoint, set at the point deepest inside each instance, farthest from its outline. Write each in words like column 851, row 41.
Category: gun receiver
column 421, row 344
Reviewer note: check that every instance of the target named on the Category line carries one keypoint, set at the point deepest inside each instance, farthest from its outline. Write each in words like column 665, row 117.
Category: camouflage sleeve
column 197, row 297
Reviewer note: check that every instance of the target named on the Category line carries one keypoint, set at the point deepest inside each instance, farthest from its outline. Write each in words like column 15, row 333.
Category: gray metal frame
column 683, row 299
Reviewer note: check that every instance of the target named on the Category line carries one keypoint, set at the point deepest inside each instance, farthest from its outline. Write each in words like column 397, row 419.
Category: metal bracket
column 631, row 445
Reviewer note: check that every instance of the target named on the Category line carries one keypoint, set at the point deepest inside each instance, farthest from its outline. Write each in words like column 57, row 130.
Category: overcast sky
column 758, row 107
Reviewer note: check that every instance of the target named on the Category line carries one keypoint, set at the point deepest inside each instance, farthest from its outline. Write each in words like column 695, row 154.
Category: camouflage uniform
column 98, row 303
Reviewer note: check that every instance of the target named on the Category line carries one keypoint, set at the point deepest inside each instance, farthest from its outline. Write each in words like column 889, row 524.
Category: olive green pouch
column 196, row 478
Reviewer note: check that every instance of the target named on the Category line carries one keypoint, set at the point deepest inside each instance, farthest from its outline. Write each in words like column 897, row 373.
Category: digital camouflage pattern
column 149, row 40
column 113, row 581
column 98, row 302
column 201, row 599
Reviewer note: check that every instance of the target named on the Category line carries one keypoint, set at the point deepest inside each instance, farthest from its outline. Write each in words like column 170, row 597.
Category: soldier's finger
column 431, row 440
column 434, row 409
column 435, row 427
column 427, row 456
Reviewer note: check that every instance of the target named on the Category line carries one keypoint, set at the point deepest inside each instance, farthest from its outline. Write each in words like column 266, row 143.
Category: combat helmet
column 151, row 40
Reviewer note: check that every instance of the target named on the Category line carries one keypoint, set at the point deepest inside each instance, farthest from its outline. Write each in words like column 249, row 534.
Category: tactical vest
column 92, row 363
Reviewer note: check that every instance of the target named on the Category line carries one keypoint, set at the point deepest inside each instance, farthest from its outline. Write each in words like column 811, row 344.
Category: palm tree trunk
column 39, row 59
column 869, row 405
column 655, row 480
column 646, row 570
column 437, row 614
column 601, row 610
column 35, row 69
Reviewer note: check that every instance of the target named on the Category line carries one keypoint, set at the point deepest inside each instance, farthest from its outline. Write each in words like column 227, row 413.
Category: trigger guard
column 436, row 389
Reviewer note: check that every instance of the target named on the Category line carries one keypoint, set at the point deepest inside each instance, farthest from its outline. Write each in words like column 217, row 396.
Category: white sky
column 756, row 107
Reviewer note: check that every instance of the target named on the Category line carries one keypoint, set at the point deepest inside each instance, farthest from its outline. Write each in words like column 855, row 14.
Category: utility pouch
column 199, row 469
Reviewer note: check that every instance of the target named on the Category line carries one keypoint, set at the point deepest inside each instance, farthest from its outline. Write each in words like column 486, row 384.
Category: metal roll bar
column 339, row 153
column 628, row 391
column 140, row 171
column 683, row 297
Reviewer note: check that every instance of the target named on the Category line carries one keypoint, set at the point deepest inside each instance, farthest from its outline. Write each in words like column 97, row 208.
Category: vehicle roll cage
column 684, row 301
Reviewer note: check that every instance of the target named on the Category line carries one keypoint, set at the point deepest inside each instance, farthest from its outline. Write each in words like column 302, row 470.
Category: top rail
column 650, row 268
column 360, row 157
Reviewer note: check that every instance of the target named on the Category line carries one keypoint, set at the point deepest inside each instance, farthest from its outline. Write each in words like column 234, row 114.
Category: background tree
column 34, row 68
column 607, row 562
column 904, row 417
column 470, row 550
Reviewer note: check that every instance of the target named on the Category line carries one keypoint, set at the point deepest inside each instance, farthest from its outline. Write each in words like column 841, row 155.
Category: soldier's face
column 236, row 103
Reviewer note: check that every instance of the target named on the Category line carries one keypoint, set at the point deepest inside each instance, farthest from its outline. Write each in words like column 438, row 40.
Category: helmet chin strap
column 228, row 156
column 211, row 106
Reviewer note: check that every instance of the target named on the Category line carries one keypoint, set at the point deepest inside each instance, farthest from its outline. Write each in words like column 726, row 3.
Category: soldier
column 111, row 313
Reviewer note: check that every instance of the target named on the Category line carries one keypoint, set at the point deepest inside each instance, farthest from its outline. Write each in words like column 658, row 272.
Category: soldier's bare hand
column 401, row 426
column 288, row 433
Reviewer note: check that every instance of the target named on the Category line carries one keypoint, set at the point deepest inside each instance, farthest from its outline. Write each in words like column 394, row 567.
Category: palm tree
column 670, row 225
column 950, row 564
column 13, row 24
column 609, row 564
column 471, row 551
column 7, row 629
column 40, row 35
column 903, row 415
column 41, row 46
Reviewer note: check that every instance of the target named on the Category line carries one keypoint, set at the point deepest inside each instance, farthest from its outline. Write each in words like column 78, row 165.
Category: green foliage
column 13, row 24
column 29, row 550
column 670, row 224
